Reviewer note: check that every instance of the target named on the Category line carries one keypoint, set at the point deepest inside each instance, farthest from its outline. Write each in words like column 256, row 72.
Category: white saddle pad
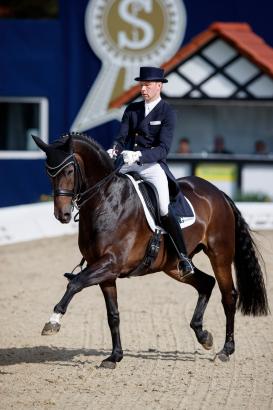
column 184, row 222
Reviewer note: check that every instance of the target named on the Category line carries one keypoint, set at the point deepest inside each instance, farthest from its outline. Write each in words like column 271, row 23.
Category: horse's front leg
column 92, row 275
column 109, row 291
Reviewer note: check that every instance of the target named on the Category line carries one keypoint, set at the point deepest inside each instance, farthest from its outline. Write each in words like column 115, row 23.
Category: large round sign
column 127, row 34
column 133, row 31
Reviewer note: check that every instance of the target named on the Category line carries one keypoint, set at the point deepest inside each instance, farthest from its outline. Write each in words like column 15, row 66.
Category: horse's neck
column 95, row 167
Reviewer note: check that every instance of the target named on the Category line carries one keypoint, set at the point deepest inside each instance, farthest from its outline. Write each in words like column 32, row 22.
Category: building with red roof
column 221, row 85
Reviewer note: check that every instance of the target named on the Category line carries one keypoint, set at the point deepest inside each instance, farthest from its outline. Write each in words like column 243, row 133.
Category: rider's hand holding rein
column 130, row 157
column 112, row 153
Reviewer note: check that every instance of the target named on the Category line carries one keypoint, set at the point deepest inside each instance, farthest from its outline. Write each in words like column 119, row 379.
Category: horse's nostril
column 58, row 217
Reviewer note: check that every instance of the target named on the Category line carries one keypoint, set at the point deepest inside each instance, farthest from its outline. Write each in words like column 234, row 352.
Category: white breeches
column 153, row 173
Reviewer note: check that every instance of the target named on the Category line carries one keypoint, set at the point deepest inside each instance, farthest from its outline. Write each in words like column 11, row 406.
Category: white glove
column 112, row 153
column 130, row 157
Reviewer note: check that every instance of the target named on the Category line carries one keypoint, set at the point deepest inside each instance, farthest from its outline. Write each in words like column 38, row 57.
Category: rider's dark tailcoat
column 152, row 135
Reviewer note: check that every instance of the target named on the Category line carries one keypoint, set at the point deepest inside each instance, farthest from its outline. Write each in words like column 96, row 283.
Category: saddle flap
column 150, row 196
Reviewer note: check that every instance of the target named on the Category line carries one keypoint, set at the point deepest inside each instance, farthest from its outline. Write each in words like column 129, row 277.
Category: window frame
column 43, row 127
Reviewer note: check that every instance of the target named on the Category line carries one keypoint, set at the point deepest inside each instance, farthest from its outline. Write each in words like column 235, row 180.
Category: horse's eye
column 70, row 172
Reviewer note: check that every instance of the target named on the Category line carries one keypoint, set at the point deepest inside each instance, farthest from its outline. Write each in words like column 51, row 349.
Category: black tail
column 250, row 282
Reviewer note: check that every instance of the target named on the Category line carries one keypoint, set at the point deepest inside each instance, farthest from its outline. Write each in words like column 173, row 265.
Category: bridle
column 78, row 197
column 78, row 179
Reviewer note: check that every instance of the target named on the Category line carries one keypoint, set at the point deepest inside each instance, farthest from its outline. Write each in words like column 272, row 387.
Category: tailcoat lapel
column 144, row 121
column 141, row 114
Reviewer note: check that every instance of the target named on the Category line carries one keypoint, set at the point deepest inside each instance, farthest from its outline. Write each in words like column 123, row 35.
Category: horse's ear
column 41, row 144
column 66, row 143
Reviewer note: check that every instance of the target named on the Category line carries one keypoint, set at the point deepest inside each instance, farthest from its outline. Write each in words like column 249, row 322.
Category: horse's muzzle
column 64, row 216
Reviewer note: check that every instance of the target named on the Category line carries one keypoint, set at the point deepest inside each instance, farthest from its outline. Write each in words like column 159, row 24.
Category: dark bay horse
column 113, row 235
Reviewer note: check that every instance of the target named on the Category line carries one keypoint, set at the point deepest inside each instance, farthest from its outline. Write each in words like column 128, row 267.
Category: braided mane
column 77, row 136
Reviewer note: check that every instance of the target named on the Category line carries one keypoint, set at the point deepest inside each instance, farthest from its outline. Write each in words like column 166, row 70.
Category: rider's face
column 150, row 90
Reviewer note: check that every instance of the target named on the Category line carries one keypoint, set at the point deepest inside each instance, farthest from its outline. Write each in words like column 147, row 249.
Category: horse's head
column 61, row 166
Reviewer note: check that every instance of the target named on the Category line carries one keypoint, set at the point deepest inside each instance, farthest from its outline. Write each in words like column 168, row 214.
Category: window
column 240, row 123
column 21, row 117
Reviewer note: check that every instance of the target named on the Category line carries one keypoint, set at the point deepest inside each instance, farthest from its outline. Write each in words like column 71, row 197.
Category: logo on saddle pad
column 126, row 34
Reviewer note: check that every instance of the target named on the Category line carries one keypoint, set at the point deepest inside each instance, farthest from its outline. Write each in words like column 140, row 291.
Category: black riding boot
column 172, row 227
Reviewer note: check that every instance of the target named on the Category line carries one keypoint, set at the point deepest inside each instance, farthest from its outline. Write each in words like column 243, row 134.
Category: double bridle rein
column 79, row 197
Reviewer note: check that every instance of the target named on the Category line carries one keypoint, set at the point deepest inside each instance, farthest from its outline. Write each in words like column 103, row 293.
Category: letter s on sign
column 138, row 24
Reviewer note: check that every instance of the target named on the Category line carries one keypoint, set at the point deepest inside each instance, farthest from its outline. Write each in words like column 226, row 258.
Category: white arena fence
column 37, row 221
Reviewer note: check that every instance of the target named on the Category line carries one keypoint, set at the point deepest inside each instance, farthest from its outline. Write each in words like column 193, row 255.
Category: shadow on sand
column 45, row 354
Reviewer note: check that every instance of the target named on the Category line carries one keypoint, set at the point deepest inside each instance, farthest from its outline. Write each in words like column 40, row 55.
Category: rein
column 86, row 195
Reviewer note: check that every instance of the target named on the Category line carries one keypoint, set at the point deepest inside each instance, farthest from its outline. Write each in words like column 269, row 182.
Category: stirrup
column 184, row 273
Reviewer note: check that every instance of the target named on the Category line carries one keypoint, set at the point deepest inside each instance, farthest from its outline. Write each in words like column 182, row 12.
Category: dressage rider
column 144, row 141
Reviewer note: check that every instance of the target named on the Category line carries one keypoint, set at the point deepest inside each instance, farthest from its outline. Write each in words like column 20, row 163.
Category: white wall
column 257, row 179
column 29, row 222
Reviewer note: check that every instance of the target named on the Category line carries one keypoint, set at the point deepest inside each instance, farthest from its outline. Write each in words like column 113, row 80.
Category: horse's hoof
column 106, row 364
column 208, row 342
column 69, row 276
column 224, row 357
column 51, row 329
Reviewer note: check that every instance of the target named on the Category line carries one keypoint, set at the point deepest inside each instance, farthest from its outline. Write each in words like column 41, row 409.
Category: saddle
column 149, row 198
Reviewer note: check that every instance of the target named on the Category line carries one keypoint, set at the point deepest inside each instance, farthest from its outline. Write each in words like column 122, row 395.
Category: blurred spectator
column 219, row 146
column 260, row 148
column 183, row 146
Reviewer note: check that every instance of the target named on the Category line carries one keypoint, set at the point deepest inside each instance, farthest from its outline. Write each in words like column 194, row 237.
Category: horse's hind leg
column 229, row 298
column 109, row 291
column 204, row 284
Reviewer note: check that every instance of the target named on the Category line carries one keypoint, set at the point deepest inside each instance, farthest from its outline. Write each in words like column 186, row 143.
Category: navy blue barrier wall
column 52, row 58
column 22, row 180
column 257, row 14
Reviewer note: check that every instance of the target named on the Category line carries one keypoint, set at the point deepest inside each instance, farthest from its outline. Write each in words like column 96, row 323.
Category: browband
column 54, row 171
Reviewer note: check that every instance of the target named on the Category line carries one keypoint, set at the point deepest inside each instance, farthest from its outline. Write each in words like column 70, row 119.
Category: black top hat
column 151, row 74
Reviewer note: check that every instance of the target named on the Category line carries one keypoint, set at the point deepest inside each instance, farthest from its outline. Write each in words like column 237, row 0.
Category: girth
column 150, row 255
